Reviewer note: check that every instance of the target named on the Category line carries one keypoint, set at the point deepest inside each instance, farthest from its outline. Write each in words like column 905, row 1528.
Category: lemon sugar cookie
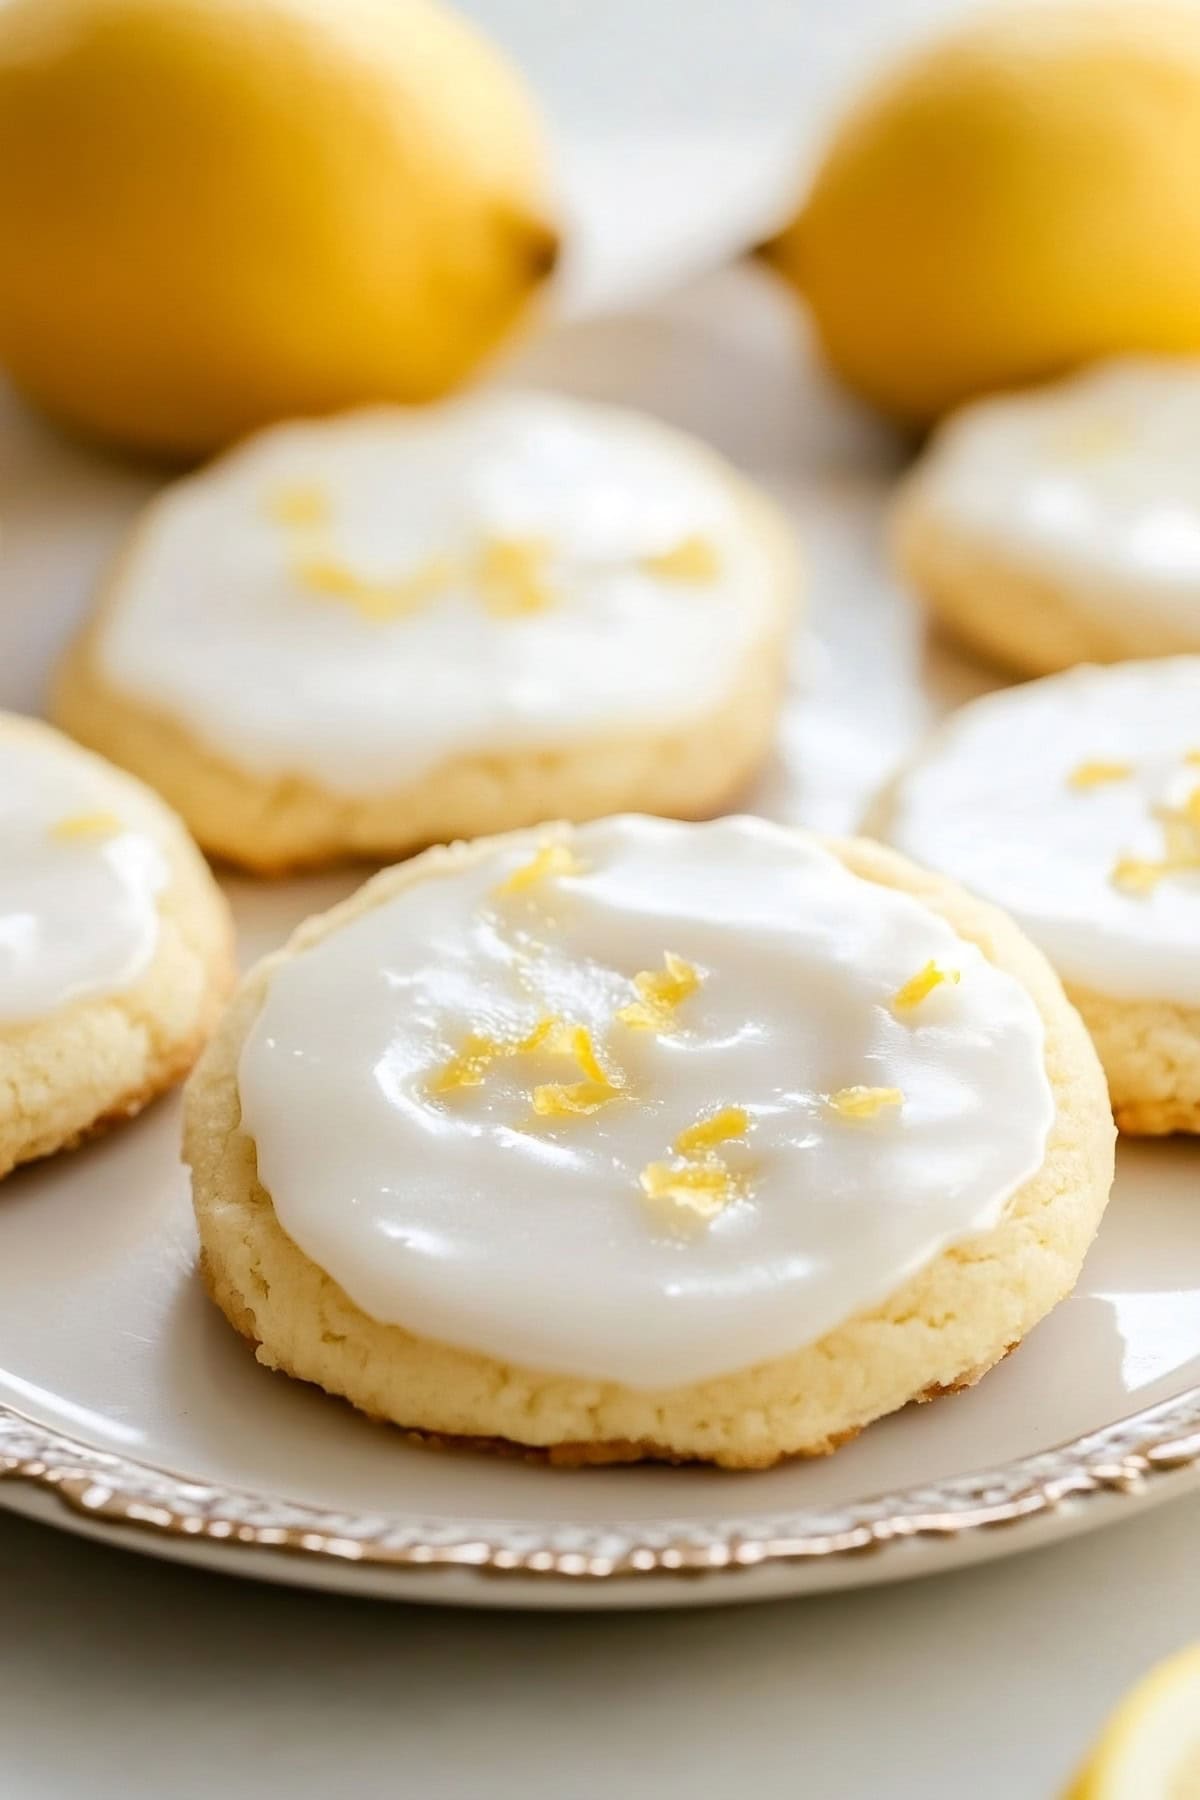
column 1074, row 803
column 678, row 1141
column 363, row 636
column 115, row 944
column 1062, row 525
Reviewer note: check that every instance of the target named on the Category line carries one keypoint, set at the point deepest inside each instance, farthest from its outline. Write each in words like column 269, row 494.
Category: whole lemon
column 214, row 213
column 1022, row 197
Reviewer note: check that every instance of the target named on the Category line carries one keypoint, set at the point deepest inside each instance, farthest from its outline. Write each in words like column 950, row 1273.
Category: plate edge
column 1124, row 1457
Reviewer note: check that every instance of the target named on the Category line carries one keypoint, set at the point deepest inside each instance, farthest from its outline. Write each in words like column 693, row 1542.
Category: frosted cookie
column 1063, row 525
column 115, row 944
column 1074, row 803
column 364, row 635
column 672, row 1141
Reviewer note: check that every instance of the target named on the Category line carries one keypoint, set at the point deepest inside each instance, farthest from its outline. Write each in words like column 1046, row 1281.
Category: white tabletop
column 127, row 1679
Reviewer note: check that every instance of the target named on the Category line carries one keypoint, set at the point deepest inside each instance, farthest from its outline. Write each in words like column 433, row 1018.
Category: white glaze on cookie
column 1092, row 483
column 1004, row 800
column 467, row 1217
column 78, row 883
column 215, row 623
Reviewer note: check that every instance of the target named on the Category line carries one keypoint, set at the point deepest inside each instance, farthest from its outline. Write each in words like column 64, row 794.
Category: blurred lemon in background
column 1150, row 1748
column 214, row 213
column 1022, row 197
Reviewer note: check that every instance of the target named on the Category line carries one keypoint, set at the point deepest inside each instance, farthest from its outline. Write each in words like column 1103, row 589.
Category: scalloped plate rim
column 1141, row 1459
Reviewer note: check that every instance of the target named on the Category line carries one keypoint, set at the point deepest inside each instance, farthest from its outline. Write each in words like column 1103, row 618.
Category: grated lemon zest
column 584, row 1052
column 553, row 1037
column 1098, row 772
column 660, row 992
column 86, row 825
column 472, row 1063
column 327, row 574
column 298, row 503
column 864, row 1102
column 565, row 1099
column 1141, row 875
column 692, row 559
column 730, row 1122
column 1181, row 843
column 511, row 575
column 480, row 1051
column 920, row 985
column 550, row 859
column 1138, row 875
column 702, row 1183
column 704, row 1189
column 376, row 601
column 558, row 1100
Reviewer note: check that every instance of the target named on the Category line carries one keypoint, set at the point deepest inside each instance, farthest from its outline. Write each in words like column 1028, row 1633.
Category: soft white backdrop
column 682, row 128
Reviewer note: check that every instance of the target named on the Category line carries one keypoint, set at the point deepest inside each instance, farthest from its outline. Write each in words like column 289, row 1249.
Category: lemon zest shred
column 692, row 559
column 551, row 859
column 511, row 575
column 1138, row 874
column 584, row 1052
column 864, row 1102
column 480, row 1051
column 553, row 1037
column 703, row 1183
column 85, row 825
column 729, row 1122
column 1097, row 772
column 472, row 1063
column 328, row 574
column 556, row 1100
column 701, row 1188
column 922, row 984
column 567, row 1099
column 376, row 601
column 1141, row 875
column 660, row 992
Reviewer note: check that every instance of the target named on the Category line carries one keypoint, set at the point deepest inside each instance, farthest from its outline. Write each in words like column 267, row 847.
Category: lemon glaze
column 358, row 600
column 1104, row 875
column 1092, row 482
column 721, row 1209
column 78, row 884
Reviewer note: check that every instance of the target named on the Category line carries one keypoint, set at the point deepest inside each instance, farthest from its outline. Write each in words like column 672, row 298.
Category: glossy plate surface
column 114, row 1370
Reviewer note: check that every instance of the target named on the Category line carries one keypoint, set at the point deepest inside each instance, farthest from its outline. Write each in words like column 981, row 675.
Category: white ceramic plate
column 129, row 1409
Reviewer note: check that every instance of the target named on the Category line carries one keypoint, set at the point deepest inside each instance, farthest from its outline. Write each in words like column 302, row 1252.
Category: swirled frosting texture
column 862, row 1130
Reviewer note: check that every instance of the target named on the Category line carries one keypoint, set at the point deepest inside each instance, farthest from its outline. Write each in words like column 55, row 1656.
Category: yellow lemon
column 214, row 213
column 1020, row 198
column 1150, row 1748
